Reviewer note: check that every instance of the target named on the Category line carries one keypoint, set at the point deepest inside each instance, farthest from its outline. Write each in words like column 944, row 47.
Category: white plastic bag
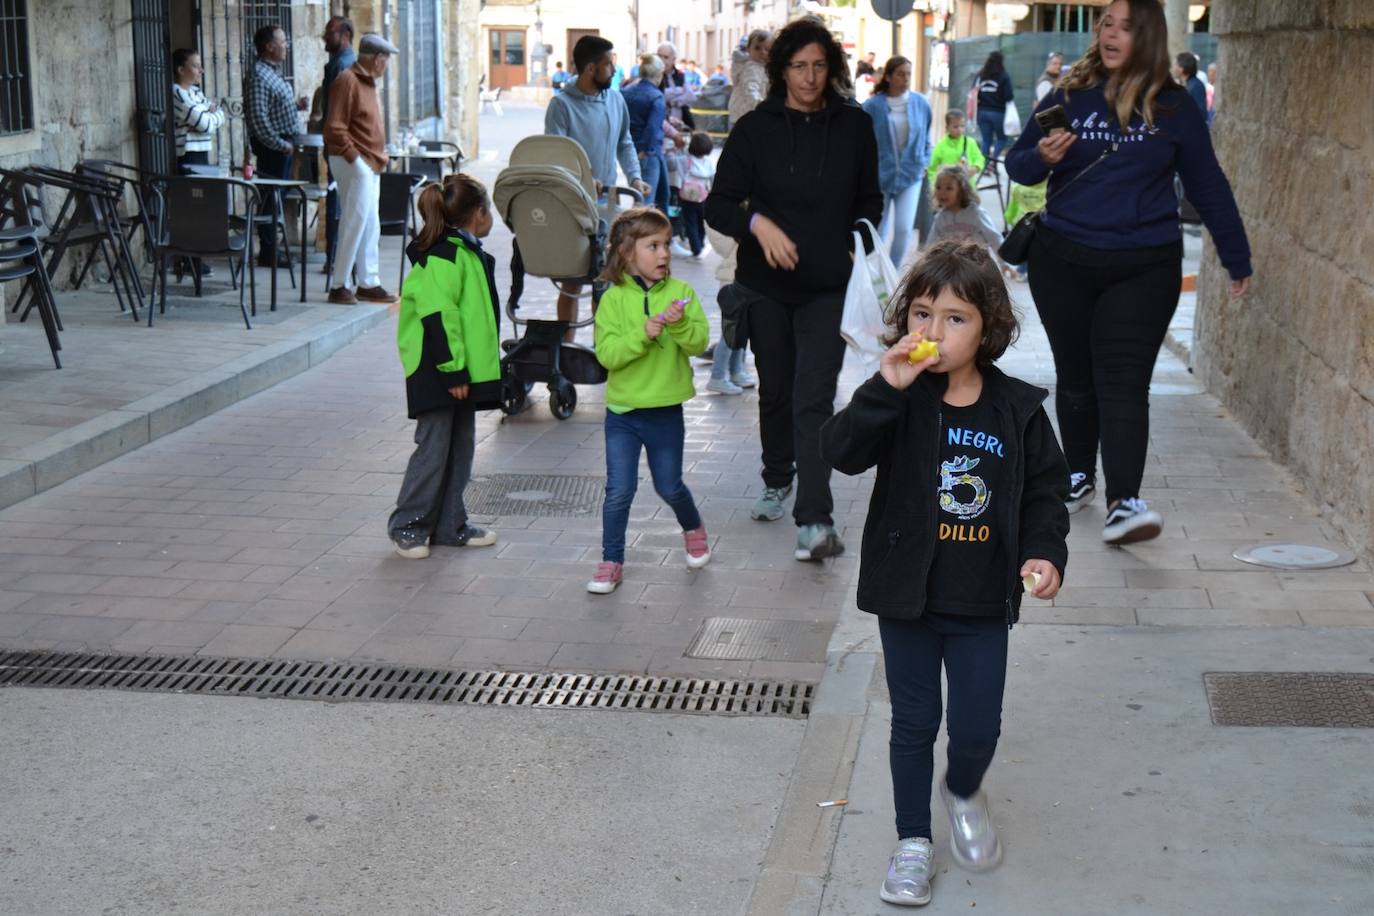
column 872, row 283
column 1011, row 121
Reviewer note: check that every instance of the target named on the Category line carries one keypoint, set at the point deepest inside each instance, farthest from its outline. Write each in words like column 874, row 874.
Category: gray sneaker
column 909, row 873
column 769, row 506
column 816, row 542
column 972, row 836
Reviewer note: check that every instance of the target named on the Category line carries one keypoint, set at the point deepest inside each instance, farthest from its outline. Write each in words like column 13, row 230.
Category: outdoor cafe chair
column 89, row 217
column 199, row 219
column 134, row 183
column 21, row 257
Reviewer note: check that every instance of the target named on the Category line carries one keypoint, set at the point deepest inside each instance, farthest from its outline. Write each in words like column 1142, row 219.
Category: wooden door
column 507, row 58
column 573, row 36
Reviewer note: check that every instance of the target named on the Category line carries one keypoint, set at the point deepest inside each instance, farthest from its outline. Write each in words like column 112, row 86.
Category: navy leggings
column 973, row 651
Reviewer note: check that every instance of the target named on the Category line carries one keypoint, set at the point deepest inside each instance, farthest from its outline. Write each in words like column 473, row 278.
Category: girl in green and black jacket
column 447, row 333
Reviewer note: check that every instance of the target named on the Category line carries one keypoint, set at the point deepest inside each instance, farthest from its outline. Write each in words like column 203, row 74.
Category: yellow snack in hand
column 1031, row 581
column 924, row 350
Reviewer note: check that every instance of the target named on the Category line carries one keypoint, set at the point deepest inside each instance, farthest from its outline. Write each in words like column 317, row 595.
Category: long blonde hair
column 1136, row 84
column 454, row 202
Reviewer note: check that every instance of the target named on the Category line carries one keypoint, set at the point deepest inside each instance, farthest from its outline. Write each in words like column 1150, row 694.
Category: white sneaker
column 411, row 551
column 1132, row 520
column 723, row 386
column 681, row 250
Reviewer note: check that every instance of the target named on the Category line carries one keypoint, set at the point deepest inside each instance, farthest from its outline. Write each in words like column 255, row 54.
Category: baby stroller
column 547, row 198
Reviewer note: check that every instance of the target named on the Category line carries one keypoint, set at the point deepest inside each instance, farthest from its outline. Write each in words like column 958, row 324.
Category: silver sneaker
column 909, row 873
column 768, row 507
column 972, row 836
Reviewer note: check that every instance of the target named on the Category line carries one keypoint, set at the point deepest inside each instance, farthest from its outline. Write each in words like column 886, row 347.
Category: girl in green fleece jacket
column 447, row 333
column 647, row 325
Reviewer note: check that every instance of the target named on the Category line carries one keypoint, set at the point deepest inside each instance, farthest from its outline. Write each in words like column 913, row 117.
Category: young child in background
column 954, row 148
column 1022, row 200
column 696, row 185
column 979, row 522
column 647, row 326
column 448, row 336
column 959, row 217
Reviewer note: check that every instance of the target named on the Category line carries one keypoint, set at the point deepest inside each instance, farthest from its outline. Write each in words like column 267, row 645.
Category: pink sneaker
column 608, row 576
column 698, row 550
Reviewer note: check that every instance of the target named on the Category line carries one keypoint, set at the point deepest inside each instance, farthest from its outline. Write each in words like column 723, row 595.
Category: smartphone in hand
column 1052, row 120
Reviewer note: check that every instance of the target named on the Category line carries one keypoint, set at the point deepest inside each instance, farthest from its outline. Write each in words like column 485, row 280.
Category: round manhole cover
column 529, row 496
column 1294, row 556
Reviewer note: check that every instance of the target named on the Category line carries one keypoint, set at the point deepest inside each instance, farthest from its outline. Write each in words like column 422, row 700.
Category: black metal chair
column 200, row 220
column 432, row 169
column 136, row 184
column 396, row 211
column 89, row 217
column 21, row 257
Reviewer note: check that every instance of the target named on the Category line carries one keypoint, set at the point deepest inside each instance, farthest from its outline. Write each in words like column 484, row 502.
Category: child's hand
column 897, row 369
column 654, row 327
column 459, row 391
column 674, row 313
column 1049, row 578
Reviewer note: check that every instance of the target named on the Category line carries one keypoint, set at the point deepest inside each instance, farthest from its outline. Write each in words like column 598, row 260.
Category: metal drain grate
column 341, row 681
column 1291, row 699
column 534, row 494
column 767, row 640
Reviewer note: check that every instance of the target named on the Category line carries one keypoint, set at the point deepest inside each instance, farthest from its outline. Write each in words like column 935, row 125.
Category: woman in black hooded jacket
column 795, row 175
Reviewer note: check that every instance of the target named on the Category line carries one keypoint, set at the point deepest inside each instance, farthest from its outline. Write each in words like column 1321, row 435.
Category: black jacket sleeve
column 1044, row 519
column 854, row 439
column 868, row 203
column 732, row 184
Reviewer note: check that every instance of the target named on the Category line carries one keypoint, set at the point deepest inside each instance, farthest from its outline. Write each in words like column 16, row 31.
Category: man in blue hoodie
column 588, row 111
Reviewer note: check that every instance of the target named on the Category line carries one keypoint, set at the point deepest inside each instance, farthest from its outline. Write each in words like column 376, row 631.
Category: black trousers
column 798, row 352
column 973, row 652
column 1106, row 314
column 271, row 163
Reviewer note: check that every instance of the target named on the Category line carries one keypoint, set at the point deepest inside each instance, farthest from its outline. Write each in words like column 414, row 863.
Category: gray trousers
column 430, row 505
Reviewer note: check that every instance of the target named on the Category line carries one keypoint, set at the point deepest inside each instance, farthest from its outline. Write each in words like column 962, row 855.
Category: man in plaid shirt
column 270, row 109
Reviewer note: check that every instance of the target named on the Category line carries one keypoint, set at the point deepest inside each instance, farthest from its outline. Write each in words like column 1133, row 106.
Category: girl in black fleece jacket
column 969, row 499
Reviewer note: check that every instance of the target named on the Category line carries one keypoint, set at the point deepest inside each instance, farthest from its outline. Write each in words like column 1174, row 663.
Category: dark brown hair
column 628, row 228
column 797, row 34
column 701, row 144
column 452, row 203
column 885, row 83
column 968, row 271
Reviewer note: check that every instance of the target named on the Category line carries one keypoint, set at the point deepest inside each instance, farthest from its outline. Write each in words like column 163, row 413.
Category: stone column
column 1294, row 359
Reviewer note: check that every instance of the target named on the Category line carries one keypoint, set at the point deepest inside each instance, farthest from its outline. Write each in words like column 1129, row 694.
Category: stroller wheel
column 513, row 393
column 562, row 398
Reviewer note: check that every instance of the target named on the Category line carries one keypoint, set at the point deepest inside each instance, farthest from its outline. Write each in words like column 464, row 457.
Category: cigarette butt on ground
column 838, row 803
column 1031, row 580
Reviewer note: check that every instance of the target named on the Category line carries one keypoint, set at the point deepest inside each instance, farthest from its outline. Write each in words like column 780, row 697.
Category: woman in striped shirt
column 197, row 119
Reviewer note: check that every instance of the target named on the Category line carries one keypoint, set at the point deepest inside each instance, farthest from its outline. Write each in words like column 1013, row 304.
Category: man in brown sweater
column 356, row 140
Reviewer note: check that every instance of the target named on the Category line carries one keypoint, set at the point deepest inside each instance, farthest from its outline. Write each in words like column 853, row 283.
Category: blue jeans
column 660, row 432
column 653, row 170
column 725, row 362
column 973, row 651
column 899, row 218
column 991, row 125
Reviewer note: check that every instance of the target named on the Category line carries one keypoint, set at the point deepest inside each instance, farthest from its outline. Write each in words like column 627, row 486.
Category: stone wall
column 1294, row 359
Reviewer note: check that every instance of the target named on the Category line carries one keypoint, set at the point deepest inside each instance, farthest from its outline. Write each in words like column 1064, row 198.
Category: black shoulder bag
column 1015, row 248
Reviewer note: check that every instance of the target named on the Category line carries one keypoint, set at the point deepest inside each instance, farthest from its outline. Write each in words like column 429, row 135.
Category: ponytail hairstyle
column 629, row 227
column 448, row 205
column 885, row 81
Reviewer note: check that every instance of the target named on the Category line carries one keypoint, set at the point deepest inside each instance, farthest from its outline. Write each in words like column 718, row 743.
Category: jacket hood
column 777, row 104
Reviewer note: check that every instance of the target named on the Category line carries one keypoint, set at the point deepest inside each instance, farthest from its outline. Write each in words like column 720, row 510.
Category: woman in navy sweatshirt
column 795, row 174
column 1106, row 262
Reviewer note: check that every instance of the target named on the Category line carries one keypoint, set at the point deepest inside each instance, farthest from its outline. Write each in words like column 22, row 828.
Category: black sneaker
column 469, row 536
column 1132, row 520
column 1081, row 492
